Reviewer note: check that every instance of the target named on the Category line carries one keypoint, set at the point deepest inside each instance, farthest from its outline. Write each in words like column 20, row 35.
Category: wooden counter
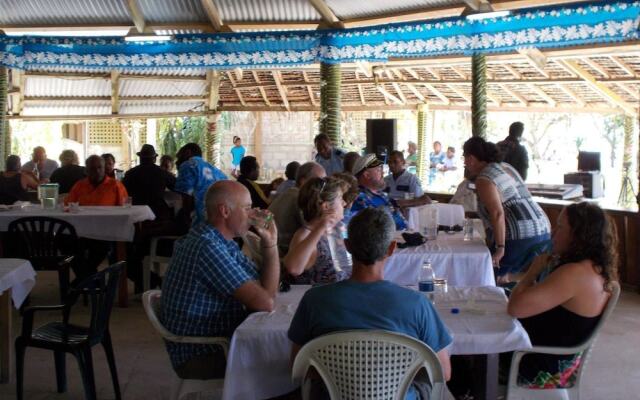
column 625, row 220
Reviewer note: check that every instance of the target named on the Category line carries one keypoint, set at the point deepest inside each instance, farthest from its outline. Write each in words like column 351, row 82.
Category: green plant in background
column 176, row 132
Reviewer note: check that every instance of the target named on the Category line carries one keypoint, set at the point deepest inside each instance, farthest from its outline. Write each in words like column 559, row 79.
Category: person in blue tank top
column 366, row 300
column 237, row 153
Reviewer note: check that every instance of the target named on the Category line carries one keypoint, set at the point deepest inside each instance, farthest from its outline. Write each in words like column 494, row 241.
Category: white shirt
column 405, row 183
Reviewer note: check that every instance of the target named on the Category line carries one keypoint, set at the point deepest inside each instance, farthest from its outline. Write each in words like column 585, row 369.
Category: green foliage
column 176, row 132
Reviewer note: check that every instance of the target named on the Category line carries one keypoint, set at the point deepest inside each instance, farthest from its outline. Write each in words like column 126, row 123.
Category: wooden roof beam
column 512, row 71
column 458, row 71
column 632, row 93
column 398, row 90
column 361, row 94
column 283, row 93
column 365, row 68
column 417, row 93
column 136, row 15
column 463, row 96
column 603, row 90
column 213, row 14
column 327, row 14
column 16, row 91
column 478, row 5
column 408, row 16
column 233, row 83
column 413, row 73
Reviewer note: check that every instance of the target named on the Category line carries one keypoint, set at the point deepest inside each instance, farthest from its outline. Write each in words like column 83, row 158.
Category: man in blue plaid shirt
column 211, row 285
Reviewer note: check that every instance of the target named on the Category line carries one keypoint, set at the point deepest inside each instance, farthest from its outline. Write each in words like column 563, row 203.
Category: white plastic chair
column 153, row 261
column 368, row 365
column 515, row 392
column 181, row 388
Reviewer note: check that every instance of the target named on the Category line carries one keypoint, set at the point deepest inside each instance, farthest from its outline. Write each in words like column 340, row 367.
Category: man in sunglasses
column 368, row 171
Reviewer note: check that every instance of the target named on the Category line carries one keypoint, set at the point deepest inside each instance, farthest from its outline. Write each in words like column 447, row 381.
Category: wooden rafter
column 263, row 93
column 389, row 96
column 235, row 89
column 327, row 14
column 361, row 95
column 515, row 95
column 115, row 92
column 633, row 93
column 16, row 91
column 463, row 96
column 437, row 93
column 458, row 71
column 543, row 94
column 478, row 5
column 283, row 92
column 398, row 90
column 512, row 71
column 136, row 15
column 537, row 59
column 312, row 98
column 609, row 94
column 573, row 95
column 413, row 73
column 593, row 65
column 213, row 14
column 416, row 93
column 623, row 65
column 213, row 90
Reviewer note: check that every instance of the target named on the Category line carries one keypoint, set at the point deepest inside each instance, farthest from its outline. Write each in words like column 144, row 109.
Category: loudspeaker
column 381, row 137
column 588, row 161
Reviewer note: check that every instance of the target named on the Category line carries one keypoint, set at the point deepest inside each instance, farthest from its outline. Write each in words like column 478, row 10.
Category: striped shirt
column 197, row 293
column 524, row 218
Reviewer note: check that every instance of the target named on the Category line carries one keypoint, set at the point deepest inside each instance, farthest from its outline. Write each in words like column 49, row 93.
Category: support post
column 5, row 137
column 213, row 140
column 479, row 95
column 423, row 163
column 330, row 78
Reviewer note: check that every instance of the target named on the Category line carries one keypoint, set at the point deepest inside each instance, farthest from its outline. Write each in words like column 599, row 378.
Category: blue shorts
column 518, row 254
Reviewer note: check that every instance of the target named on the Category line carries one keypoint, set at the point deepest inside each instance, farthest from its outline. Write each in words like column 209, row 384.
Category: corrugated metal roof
column 172, row 10
column 47, row 86
column 357, row 9
column 159, row 106
column 267, row 10
column 129, row 87
column 63, row 108
column 56, row 12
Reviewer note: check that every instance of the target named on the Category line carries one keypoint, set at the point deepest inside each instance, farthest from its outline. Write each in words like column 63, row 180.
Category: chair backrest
column 41, row 240
column 100, row 289
column 588, row 343
column 151, row 303
column 367, row 364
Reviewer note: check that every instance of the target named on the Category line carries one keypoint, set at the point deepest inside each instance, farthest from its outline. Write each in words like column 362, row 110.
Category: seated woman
column 14, row 183
column 309, row 258
column 563, row 308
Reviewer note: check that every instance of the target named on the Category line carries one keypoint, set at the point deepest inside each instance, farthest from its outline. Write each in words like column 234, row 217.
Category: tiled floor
column 143, row 366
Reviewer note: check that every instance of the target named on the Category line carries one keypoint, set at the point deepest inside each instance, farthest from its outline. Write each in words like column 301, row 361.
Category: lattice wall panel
column 105, row 132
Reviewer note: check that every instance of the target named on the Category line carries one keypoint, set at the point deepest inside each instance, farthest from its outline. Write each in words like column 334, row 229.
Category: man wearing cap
column 146, row 184
column 331, row 159
column 368, row 171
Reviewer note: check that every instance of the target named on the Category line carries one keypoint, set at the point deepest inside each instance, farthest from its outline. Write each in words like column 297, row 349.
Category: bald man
column 39, row 162
column 211, row 285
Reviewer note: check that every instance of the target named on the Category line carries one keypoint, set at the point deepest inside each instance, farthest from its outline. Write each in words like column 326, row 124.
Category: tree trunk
column 213, row 141
column 479, row 96
column 330, row 79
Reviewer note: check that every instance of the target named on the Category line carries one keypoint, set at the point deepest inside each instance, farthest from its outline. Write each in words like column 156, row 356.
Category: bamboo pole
column 423, row 163
column 330, row 80
column 5, row 137
column 212, row 142
column 479, row 95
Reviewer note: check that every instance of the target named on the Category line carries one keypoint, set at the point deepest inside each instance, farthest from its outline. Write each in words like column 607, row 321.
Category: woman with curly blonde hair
column 563, row 308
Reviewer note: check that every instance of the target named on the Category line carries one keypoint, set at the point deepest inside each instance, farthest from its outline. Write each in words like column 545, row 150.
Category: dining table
column 17, row 278
column 258, row 362
column 461, row 262
column 108, row 223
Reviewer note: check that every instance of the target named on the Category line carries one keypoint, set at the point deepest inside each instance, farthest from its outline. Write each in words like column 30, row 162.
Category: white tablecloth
column 460, row 263
column 110, row 223
column 258, row 366
column 448, row 215
column 18, row 275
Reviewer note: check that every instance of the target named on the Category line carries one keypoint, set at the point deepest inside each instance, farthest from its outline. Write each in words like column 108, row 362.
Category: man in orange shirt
column 97, row 189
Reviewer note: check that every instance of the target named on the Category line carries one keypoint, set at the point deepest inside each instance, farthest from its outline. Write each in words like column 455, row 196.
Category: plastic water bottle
column 339, row 255
column 425, row 283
